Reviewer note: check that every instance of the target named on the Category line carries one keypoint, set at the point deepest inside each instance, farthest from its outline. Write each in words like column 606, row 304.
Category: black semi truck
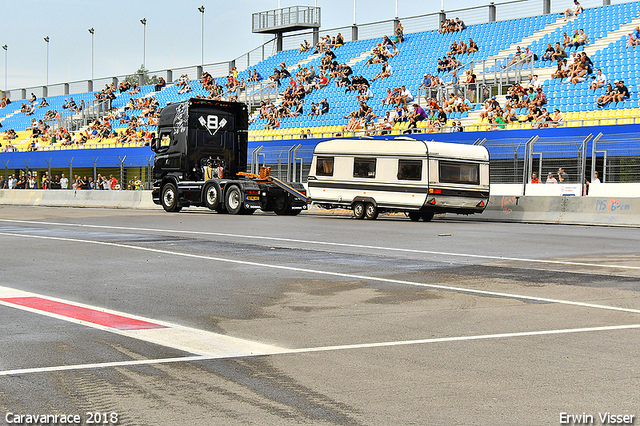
column 201, row 160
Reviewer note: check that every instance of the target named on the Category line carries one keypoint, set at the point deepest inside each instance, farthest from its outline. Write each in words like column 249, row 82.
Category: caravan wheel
column 371, row 211
column 427, row 216
column 358, row 210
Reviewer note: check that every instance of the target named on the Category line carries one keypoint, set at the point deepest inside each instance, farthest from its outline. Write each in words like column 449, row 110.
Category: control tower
column 287, row 19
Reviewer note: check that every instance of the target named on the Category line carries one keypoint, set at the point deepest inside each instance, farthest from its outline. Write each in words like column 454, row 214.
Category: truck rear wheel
column 283, row 206
column 211, row 195
column 170, row 198
column 234, row 199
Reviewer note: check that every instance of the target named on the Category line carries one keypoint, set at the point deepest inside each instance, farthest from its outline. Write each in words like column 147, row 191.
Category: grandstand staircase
column 545, row 73
column 526, row 41
column 611, row 37
column 9, row 115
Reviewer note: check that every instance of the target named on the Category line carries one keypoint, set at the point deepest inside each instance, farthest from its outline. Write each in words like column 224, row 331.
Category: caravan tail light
column 434, row 191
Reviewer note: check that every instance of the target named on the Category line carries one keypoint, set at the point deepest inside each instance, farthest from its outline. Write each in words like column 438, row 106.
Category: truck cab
column 200, row 160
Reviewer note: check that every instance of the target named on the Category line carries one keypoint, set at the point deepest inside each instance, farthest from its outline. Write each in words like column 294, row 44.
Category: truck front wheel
column 211, row 195
column 170, row 198
column 234, row 199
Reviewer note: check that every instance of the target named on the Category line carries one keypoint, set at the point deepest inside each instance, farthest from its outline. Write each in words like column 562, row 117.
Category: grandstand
column 607, row 28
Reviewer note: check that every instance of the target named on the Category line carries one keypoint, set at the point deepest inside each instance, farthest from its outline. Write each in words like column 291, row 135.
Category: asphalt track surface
column 209, row 319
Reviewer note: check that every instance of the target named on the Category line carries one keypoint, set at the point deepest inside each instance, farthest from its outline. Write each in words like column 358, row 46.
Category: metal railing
column 478, row 14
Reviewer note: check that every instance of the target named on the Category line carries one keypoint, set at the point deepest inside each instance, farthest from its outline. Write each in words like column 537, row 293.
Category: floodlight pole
column 91, row 31
column 143, row 21
column 201, row 10
column 5, row 67
column 46, row 39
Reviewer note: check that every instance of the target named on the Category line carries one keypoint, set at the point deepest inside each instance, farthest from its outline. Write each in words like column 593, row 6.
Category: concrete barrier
column 72, row 198
column 592, row 210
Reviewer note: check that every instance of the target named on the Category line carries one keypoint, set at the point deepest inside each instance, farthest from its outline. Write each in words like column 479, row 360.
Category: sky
column 173, row 33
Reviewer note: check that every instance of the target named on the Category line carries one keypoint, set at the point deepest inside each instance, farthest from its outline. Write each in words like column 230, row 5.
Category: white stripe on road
column 328, row 243
column 174, row 336
column 317, row 349
column 330, row 273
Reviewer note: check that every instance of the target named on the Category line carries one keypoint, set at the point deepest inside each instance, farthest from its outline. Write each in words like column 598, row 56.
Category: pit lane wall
column 73, row 198
column 611, row 204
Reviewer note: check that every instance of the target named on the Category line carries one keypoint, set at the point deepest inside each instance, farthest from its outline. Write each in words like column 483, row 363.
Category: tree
column 147, row 80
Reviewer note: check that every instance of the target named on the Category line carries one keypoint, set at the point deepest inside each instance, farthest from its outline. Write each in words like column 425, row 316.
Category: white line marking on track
column 317, row 349
column 174, row 336
column 329, row 243
column 335, row 274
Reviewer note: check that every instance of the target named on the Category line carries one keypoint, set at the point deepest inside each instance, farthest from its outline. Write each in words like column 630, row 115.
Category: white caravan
column 418, row 178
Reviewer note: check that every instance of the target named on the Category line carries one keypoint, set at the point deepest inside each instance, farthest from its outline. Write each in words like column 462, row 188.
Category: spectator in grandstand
column 324, row 107
column 540, row 99
column 562, row 70
column 405, row 96
column 183, row 84
column 161, row 83
column 489, row 107
column 559, row 53
column 399, row 33
column 365, row 94
column 4, row 102
column 388, row 99
column 533, row 114
column 622, row 92
column 385, row 72
column 550, row 178
column 254, row 77
column 634, row 38
column 472, row 47
column 418, row 114
column 304, row 47
column 599, row 80
column 460, row 25
column 454, row 49
column 575, row 10
column 578, row 73
column 543, row 119
column 548, row 54
column 557, row 120
column 607, row 97
column 33, row 99
column 509, row 114
column 43, row 104
column 517, row 56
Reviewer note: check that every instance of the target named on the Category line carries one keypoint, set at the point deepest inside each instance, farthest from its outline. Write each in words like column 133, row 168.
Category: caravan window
column 409, row 170
column 455, row 172
column 324, row 166
column 364, row 167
